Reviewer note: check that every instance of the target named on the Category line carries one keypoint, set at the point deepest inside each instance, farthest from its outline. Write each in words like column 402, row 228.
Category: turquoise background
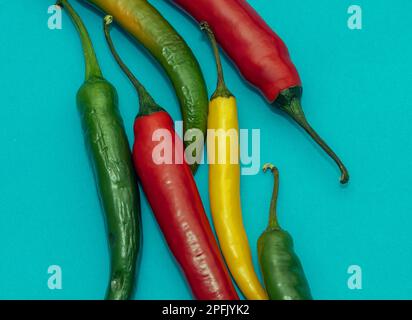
column 357, row 91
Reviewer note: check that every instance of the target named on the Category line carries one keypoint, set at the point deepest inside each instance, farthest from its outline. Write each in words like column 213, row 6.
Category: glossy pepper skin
column 111, row 159
column 224, row 185
column 174, row 198
column 261, row 57
column 281, row 268
column 148, row 27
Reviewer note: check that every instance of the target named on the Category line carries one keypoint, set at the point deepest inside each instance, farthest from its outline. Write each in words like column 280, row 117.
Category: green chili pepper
column 148, row 27
column 281, row 268
column 110, row 155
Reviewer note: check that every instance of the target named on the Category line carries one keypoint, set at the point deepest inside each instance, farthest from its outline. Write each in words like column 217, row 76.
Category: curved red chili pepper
column 261, row 56
column 176, row 203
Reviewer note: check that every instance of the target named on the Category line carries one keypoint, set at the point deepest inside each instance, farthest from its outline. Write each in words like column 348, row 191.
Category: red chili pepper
column 174, row 198
column 176, row 203
column 261, row 56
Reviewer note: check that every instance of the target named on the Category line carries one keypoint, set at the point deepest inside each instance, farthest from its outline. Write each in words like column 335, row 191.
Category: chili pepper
column 224, row 184
column 260, row 55
column 148, row 27
column 281, row 268
column 111, row 159
column 172, row 193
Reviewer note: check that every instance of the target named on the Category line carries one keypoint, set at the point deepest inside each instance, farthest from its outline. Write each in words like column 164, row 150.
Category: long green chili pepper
column 281, row 268
column 110, row 155
column 145, row 24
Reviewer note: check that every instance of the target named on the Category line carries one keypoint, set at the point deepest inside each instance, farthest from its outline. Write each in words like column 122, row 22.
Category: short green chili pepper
column 281, row 268
column 111, row 159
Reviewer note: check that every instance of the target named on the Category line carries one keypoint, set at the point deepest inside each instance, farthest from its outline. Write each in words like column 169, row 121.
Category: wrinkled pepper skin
column 173, row 196
column 224, row 184
column 111, row 159
column 261, row 57
column 148, row 27
column 110, row 156
column 281, row 268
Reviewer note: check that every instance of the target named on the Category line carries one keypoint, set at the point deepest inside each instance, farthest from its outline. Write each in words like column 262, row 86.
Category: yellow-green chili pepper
column 145, row 24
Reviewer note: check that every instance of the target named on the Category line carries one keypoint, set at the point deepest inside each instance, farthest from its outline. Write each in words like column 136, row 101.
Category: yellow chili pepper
column 224, row 184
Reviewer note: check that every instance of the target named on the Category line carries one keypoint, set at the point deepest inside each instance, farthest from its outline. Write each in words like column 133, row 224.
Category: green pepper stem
column 273, row 220
column 300, row 118
column 92, row 65
column 344, row 178
column 147, row 103
column 221, row 89
column 289, row 102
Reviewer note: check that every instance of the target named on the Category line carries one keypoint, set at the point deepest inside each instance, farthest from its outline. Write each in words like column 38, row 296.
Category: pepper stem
column 273, row 220
column 289, row 102
column 298, row 115
column 147, row 103
column 92, row 65
column 221, row 89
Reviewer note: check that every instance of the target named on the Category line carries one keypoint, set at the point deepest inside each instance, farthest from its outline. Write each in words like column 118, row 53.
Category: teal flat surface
column 357, row 95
